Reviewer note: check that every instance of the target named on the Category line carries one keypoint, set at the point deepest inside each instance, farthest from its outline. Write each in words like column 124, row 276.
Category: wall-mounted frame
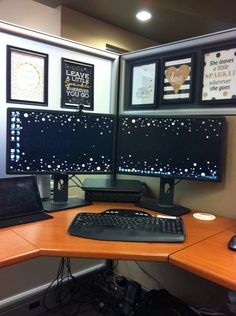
column 177, row 80
column 27, row 76
column 142, row 85
column 77, row 84
column 218, row 80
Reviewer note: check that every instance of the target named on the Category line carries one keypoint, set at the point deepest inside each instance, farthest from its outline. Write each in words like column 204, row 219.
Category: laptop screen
column 19, row 196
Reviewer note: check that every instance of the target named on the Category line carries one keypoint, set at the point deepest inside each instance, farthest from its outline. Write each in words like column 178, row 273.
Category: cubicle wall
column 211, row 60
column 105, row 72
column 217, row 51
column 29, row 278
column 216, row 198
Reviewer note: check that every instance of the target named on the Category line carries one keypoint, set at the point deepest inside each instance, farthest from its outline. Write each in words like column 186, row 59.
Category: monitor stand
column 166, row 200
column 60, row 196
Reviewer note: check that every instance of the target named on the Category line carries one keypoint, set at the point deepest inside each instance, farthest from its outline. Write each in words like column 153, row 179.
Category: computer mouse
column 232, row 243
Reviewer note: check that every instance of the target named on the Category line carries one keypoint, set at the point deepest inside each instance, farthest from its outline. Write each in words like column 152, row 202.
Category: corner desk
column 204, row 252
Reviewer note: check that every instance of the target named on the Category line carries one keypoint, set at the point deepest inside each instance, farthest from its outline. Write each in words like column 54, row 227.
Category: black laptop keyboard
column 127, row 228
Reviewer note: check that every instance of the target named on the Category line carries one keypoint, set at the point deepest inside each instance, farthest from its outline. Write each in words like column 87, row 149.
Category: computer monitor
column 169, row 148
column 61, row 143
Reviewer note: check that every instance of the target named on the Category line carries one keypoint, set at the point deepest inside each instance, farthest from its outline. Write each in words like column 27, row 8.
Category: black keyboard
column 124, row 227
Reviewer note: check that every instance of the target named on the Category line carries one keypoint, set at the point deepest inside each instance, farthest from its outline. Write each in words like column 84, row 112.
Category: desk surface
column 14, row 248
column 50, row 238
column 210, row 259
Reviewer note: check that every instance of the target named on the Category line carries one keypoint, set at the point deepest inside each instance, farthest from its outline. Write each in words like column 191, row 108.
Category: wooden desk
column 210, row 259
column 52, row 239
column 14, row 248
column 204, row 252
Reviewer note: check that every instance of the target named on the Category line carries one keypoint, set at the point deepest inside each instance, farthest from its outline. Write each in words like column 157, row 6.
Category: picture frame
column 218, row 76
column 77, row 85
column 27, row 76
column 142, row 85
column 177, row 79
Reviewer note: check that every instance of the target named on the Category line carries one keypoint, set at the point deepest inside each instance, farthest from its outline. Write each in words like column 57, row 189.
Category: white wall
column 32, row 15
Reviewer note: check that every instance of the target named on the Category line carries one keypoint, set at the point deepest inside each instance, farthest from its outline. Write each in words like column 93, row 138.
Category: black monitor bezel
column 222, row 150
column 51, row 172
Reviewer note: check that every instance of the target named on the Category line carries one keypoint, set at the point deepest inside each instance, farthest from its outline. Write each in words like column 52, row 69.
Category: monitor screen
column 179, row 147
column 46, row 141
column 170, row 147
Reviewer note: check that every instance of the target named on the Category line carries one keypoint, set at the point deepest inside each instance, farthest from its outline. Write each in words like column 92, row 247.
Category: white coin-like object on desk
column 204, row 216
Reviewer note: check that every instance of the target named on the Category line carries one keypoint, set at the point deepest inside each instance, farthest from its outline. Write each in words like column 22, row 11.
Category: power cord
column 63, row 298
column 148, row 274
column 78, row 185
column 174, row 184
column 75, row 300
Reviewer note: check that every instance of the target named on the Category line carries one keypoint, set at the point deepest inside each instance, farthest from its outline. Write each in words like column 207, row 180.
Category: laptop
column 20, row 201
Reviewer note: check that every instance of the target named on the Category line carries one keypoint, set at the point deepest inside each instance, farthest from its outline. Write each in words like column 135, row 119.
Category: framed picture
column 177, row 80
column 142, row 85
column 27, row 76
column 77, row 85
column 219, row 76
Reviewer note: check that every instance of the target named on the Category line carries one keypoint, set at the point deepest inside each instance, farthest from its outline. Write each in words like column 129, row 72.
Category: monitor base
column 175, row 210
column 51, row 206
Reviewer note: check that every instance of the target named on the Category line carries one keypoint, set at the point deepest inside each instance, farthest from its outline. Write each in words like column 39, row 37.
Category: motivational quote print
column 219, row 76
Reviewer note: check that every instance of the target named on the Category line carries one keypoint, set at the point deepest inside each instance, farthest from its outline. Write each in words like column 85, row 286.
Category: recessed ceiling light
column 143, row 16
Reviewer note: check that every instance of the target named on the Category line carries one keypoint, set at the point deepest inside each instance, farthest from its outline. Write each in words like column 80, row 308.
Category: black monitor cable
column 78, row 185
column 78, row 179
column 116, row 274
column 70, row 298
column 63, row 297
column 171, row 187
column 148, row 274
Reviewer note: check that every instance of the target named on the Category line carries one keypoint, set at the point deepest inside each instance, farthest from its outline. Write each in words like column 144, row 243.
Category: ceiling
column 171, row 19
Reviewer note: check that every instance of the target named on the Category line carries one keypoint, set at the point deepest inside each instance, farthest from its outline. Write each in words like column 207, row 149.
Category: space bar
column 106, row 226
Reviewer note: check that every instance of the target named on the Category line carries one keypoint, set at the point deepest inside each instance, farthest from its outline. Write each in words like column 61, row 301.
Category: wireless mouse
column 232, row 243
